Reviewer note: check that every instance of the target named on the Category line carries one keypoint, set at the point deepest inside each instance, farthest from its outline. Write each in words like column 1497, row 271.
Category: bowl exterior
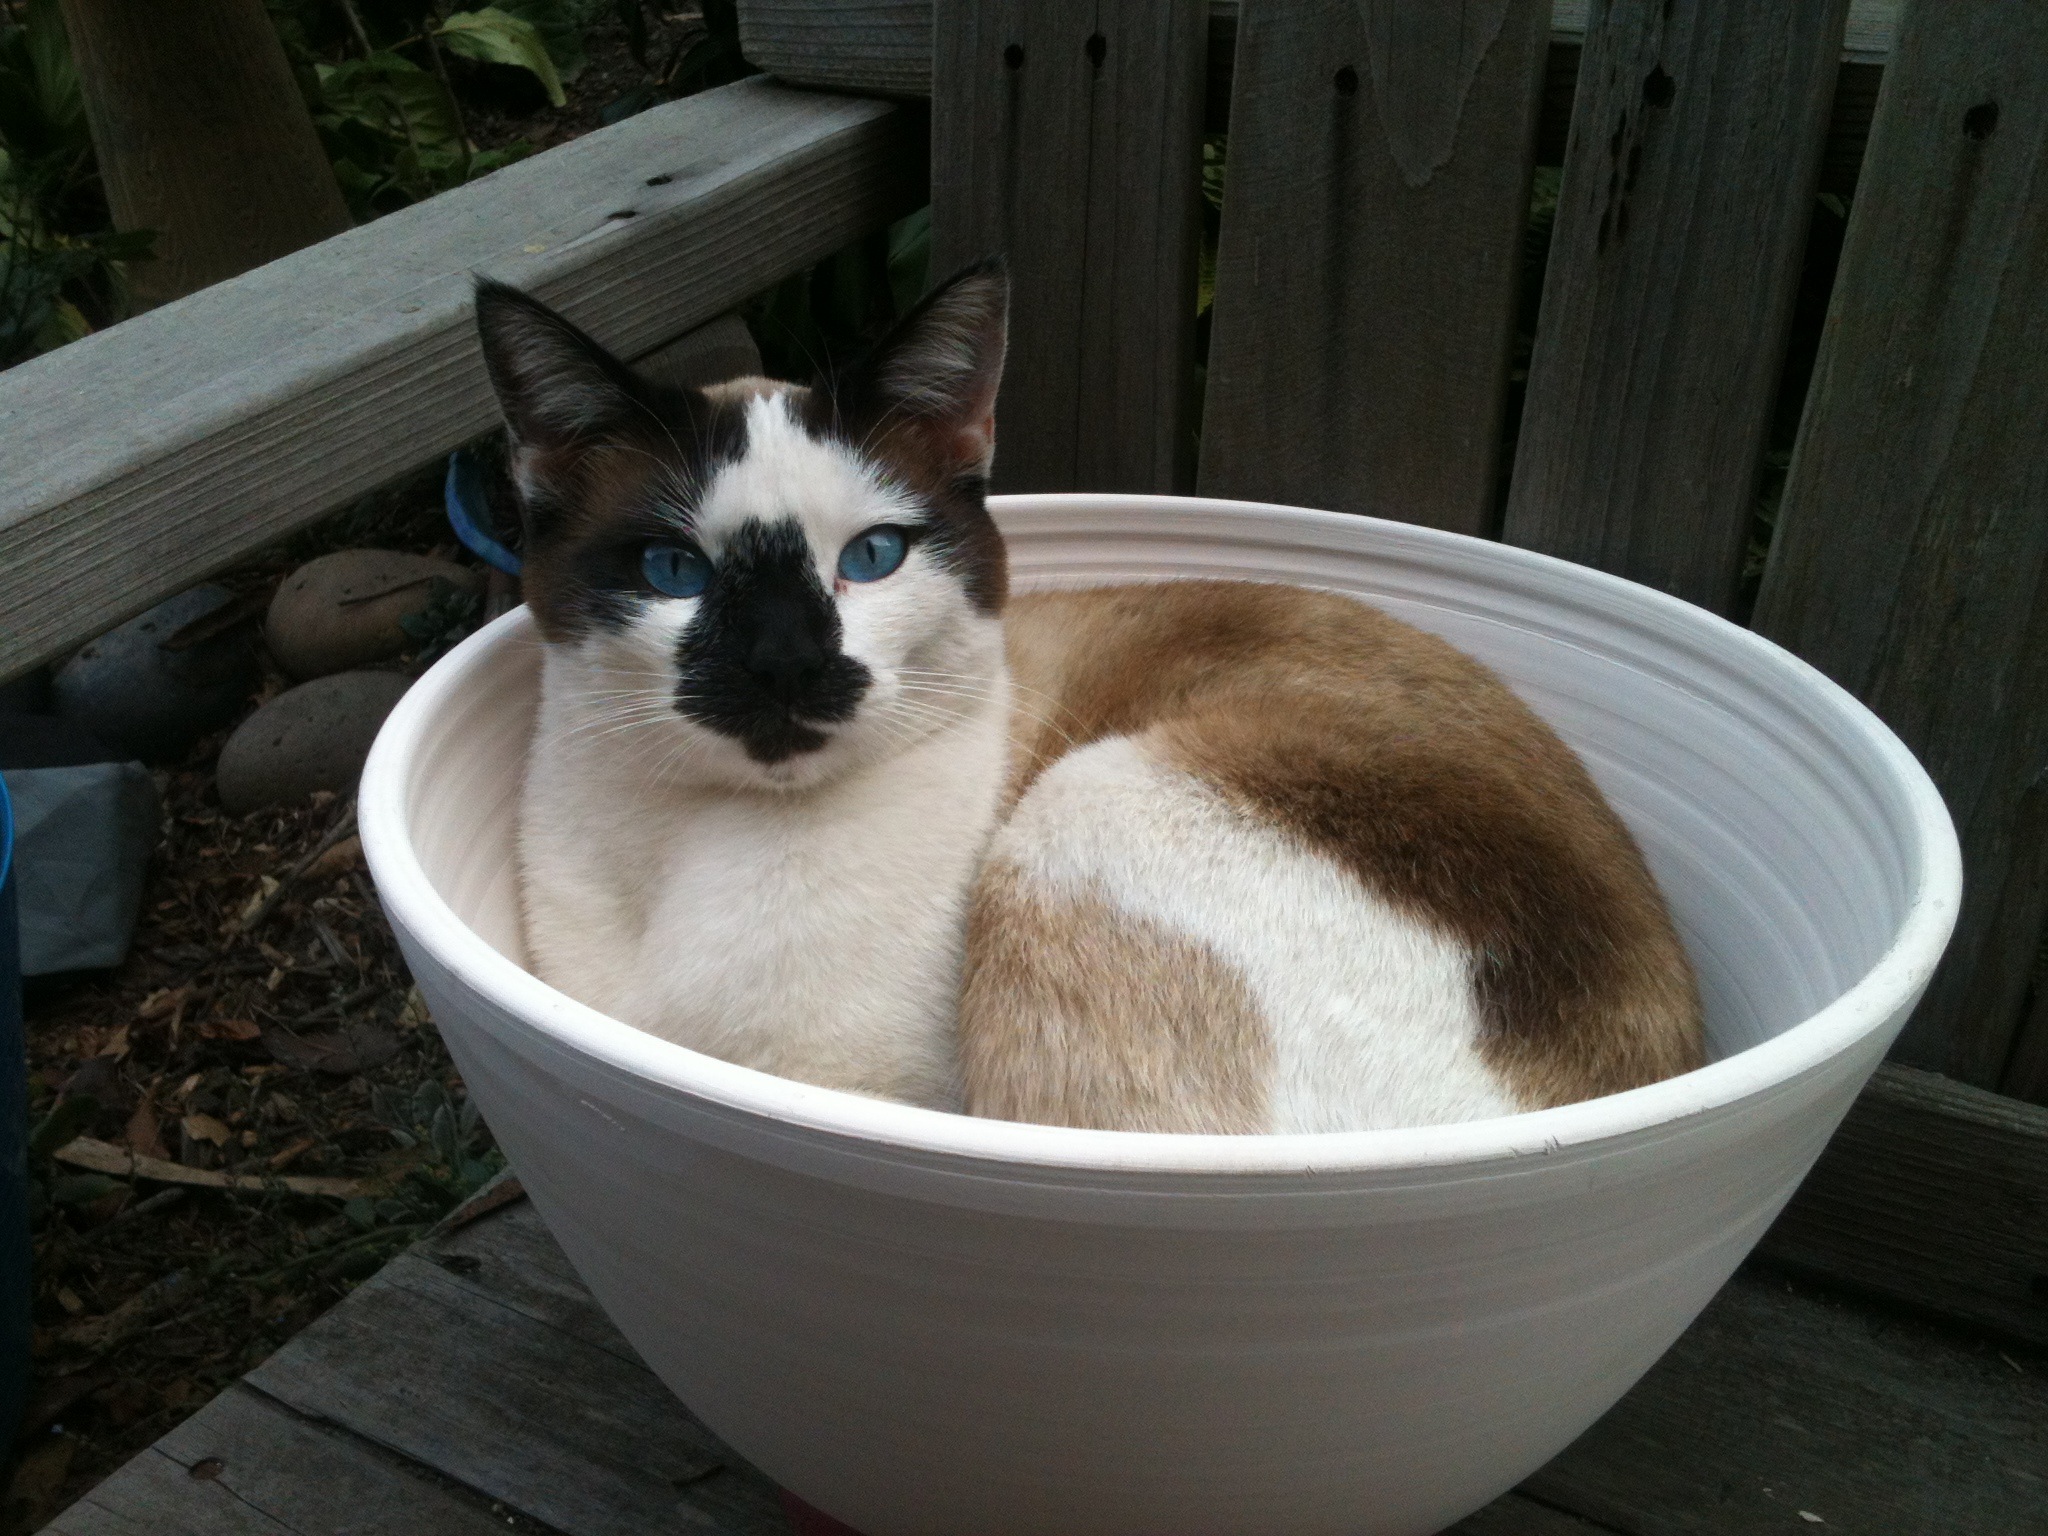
column 925, row 1349
column 929, row 1326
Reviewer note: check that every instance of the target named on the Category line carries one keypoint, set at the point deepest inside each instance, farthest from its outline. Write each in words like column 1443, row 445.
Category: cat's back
column 1275, row 861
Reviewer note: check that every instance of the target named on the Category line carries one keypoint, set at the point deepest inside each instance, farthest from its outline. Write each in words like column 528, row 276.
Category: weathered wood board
column 1931, row 1193
column 137, row 461
column 247, row 1466
column 1778, row 1405
column 884, row 47
column 474, row 1382
column 1688, row 186
column 870, row 47
column 1370, row 259
column 1911, row 562
column 1066, row 134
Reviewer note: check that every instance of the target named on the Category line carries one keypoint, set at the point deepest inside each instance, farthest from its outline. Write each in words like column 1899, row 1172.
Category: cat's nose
column 787, row 663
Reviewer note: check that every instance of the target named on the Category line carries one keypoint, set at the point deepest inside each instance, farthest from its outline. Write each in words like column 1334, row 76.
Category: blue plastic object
column 14, row 1250
column 469, row 513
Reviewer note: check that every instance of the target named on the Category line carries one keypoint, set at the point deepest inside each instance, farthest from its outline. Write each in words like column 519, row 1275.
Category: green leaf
column 560, row 25
column 397, row 99
column 71, row 1114
column 497, row 37
column 361, row 1212
column 82, row 1188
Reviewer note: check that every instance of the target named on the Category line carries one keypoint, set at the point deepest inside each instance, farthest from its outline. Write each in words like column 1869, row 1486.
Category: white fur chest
column 815, row 935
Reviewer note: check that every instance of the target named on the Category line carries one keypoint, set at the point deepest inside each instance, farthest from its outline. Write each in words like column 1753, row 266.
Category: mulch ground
column 263, row 1026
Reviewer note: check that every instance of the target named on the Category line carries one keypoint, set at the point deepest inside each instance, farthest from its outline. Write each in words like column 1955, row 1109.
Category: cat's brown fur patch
column 1410, row 764
column 1114, row 1022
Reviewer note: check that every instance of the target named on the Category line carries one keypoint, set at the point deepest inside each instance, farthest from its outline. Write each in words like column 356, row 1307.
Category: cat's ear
column 560, row 391
column 938, row 371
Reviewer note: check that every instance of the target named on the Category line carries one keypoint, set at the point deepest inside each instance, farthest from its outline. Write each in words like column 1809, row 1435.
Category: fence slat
column 1067, row 134
column 1365, row 281
column 137, row 461
column 1688, row 185
column 1909, row 564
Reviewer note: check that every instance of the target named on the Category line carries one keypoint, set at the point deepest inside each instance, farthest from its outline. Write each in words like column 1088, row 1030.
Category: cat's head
column 762, row 583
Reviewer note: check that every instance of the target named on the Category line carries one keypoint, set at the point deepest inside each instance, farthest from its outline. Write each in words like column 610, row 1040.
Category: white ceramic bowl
column 930, row 1325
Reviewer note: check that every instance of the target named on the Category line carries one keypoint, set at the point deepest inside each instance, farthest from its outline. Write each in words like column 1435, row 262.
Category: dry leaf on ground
column 352, row 1048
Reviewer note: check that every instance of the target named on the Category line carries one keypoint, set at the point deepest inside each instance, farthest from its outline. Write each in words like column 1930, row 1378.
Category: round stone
column 311, row 737
column 348, row 609
column 146, row 700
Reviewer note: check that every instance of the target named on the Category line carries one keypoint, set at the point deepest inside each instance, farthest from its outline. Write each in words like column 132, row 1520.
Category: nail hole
column 206, row 1471
column 1658, row 88
column 1346, row 81
column 460, row 1263
column 1098, row 49
column 623, row 213
column 659, row 181
column 1980, row 120
column 1013, row 56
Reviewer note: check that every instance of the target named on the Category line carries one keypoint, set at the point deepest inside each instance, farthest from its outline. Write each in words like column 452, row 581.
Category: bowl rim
column 1868, row 1005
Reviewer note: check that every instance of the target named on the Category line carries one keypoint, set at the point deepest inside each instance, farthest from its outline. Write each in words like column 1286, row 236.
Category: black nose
column 786, row 661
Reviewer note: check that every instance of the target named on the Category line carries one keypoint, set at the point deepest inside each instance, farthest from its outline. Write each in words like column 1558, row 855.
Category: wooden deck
column 473, row 1385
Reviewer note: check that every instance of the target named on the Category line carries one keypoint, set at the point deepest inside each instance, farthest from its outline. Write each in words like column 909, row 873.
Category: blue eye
column 675, row 569
column 874, row 554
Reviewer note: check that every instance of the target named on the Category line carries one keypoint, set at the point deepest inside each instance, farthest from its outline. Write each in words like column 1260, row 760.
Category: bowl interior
column 1789, row 831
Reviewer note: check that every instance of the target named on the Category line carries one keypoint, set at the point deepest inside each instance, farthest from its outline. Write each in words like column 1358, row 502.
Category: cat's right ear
column 937, row 373
column 561, row 392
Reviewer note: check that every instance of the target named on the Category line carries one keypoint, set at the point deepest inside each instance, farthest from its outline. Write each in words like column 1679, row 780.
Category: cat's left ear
column 560, row 391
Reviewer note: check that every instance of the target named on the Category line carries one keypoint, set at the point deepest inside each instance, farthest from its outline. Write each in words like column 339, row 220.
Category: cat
column 811, row 792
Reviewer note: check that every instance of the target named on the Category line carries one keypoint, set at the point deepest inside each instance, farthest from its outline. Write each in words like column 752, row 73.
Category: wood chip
column 497, row 1194
column 230, row 1029
column 104, row 1157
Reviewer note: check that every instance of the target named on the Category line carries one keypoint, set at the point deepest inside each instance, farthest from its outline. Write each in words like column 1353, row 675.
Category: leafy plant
column 61, row 265
column 458, row 1157
column 384, row 98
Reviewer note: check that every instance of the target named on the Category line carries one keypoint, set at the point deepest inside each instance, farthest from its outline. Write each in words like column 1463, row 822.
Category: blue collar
column 469, row 513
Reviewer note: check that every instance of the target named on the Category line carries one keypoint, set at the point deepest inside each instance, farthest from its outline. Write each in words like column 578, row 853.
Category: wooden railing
column 1365, row 299
column 137, row 461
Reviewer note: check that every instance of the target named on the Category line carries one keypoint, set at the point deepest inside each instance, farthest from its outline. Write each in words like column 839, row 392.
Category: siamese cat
column 812, row 792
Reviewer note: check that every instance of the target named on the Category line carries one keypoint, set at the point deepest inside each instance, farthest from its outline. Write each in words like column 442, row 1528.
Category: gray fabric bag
column 82, row 839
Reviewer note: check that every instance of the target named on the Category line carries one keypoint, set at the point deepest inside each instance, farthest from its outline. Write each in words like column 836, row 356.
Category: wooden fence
column 1365, row 306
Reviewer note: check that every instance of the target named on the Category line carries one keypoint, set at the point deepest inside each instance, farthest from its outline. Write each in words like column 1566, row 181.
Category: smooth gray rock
column 314, row 736
column 347, row 609
column 150, row 703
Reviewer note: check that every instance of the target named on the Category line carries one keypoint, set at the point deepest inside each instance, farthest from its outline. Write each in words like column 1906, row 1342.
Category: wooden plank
column 1913, row 537
column 1370, row 257
column 1067, row 133
column 1687, row 190
column 1932, row 1193
column 244, row 1466
column 141, row 459
column 710, row 354
column 1778, row 1405
column 872, row 47
column 580, row 1437
column 1517, row 1514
